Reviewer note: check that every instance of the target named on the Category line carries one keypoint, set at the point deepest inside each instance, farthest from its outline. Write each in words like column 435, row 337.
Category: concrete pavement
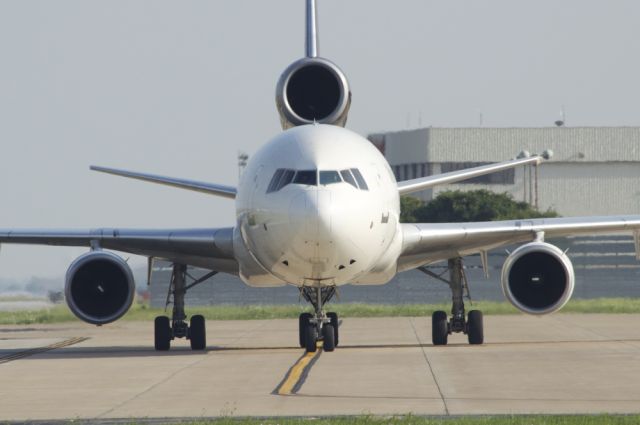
column 555, row 364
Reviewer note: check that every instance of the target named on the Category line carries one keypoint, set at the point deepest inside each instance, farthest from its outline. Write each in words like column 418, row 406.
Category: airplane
column 318, row 207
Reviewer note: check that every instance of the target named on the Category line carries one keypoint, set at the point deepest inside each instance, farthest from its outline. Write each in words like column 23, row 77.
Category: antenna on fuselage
column 312, row 30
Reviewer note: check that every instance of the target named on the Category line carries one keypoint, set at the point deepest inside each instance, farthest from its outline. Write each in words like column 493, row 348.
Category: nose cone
column 320, row 238
column 311, row 230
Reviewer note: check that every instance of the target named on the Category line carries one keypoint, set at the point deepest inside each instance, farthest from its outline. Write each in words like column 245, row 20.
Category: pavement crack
column 433, row 375
column 605, row 338
column 151, row 387
column 173, row 374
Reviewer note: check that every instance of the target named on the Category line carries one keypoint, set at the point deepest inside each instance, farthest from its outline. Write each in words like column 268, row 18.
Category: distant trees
column 476, row 205
column 408, row 207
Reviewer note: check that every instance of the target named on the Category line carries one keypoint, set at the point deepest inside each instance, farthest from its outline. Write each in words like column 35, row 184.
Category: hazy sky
column 178, row 88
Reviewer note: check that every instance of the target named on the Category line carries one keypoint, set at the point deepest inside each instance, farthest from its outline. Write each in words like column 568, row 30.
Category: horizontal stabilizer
column 209, row 188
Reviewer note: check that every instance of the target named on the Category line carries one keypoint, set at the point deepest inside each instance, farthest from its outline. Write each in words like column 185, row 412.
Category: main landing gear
column 441, row 325
column 166, row 329
column 319, row 326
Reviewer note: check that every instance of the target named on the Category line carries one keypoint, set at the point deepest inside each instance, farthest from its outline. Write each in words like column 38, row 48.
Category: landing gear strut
column 166, row 330
column 319, row 326
column 441, row 326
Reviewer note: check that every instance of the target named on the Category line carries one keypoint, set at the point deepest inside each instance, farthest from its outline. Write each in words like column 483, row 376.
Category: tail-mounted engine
column 310, row 90
column 99, row 287
column 538, row 278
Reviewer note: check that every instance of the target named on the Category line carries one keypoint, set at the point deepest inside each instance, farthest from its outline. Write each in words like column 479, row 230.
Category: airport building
column 594, row 170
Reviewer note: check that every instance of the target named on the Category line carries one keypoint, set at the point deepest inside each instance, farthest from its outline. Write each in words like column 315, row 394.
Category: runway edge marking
column 39, row 350
column 297, row 374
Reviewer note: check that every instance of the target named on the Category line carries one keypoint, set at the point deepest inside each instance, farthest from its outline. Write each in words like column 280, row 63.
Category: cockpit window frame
column 362, row 183
column 334, row 173
column 286, row 178
column 313, row 173
column 283, row 177
column 347, row 177
column 273, row 184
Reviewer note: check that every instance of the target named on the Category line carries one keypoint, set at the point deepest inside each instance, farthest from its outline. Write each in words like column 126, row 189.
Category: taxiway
column 565, row 363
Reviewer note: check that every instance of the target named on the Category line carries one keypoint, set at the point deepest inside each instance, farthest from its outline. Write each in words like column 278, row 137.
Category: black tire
column 162, row 333
column 197, row 333
column 303, row 321
column 328, row 337
column 310, row 338
column 334, row 322
column 439, row 328
column 475, row 330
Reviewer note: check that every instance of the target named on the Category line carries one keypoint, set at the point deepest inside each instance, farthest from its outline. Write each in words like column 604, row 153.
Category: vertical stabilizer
column 312, row 30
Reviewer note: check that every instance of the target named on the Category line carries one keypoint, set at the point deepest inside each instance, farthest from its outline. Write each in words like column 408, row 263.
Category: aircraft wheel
column 162, row 333
column 303, row 321
column 328, row 337
column 333, row 317
column 310, row 338
column 439, row 328
column 197, row 333
column 475, row 331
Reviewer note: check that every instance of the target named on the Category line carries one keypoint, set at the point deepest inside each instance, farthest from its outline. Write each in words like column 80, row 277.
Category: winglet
column 312, row 30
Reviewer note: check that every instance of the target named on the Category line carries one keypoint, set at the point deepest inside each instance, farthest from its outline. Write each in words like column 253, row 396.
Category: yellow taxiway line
column 297, row 374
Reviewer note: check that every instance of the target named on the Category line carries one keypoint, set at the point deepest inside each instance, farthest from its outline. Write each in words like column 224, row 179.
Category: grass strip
column 17, row 298
column 142, row 312
column 417, row 420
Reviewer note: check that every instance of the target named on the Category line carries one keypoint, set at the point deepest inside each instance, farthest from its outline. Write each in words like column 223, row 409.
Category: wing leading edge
column 416, row 185
column 197, row 186
column 207, row 248
column 427, row 243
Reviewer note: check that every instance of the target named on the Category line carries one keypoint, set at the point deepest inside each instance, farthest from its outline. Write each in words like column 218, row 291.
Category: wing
column 416, row 185
column 197, row 186
column 427, row 243
column 207, row 248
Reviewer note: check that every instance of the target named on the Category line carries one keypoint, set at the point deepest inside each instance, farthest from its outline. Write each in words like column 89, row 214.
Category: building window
column 414, row 170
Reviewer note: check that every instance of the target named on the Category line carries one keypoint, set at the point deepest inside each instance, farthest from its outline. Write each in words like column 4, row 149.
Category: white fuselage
column 316, row 223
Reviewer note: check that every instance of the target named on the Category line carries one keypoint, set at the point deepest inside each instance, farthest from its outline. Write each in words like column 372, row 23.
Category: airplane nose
column 321, row 216
column 310, row 236
column 311, row 215
column 320, row 236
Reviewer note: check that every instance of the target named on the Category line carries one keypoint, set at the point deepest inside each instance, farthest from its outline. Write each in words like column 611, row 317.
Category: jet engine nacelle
column 313, row 90
column 99, row 287
column 538, row 278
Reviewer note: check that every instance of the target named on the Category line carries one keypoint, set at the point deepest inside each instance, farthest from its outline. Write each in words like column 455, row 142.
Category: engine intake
column 99, row 287
column 313, row 90
column 538, row 278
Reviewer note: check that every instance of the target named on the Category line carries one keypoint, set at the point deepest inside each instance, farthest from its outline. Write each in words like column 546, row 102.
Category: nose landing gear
column 441, row 326
column 319, row 326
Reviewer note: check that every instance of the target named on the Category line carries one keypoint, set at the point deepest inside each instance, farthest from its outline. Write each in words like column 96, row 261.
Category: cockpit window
column 348, row 177
column 283, row 177
column 361, row 183
column 287, row 177
column 329, row 177
column 308, row 177
column 274, row 180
